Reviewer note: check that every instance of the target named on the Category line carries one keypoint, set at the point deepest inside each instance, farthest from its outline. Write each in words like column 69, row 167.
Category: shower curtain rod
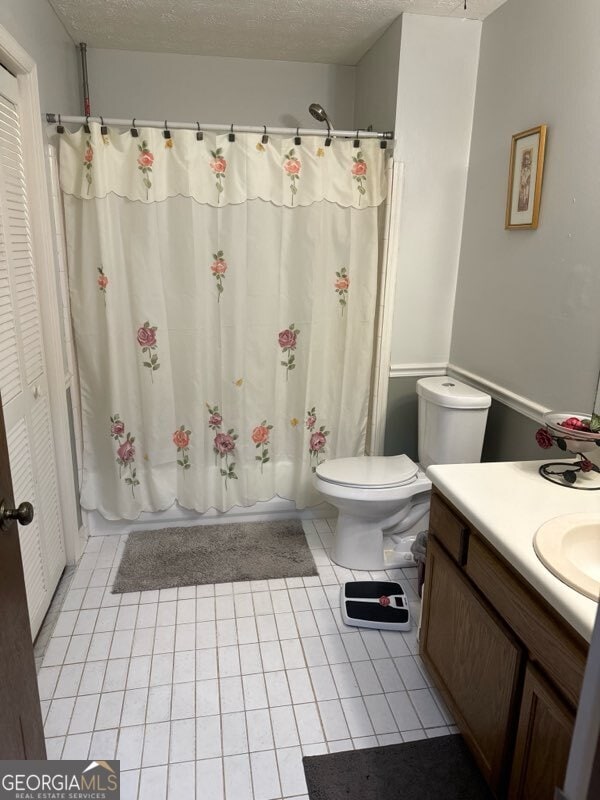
column 62, row 119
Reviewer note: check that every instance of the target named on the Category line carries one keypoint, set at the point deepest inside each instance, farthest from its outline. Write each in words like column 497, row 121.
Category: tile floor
column 217, row 691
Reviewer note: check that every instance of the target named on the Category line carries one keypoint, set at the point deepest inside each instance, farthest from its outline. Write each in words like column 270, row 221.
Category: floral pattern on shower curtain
column 224, row 323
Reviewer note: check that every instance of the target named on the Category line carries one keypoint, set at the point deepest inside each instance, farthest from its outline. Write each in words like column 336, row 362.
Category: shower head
column 319, row 113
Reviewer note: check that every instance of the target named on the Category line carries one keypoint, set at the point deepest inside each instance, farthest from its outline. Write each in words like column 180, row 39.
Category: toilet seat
column 369, row 472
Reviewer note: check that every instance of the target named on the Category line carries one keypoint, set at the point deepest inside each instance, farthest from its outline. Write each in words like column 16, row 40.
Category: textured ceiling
column 328, row 31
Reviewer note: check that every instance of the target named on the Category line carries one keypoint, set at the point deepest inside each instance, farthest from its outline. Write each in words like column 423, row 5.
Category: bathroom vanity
column 505, row 640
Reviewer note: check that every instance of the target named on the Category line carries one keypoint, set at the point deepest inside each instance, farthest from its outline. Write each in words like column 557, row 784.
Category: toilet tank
column 452, row 419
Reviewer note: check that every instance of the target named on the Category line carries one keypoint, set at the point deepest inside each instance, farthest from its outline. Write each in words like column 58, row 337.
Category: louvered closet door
column 22, row 371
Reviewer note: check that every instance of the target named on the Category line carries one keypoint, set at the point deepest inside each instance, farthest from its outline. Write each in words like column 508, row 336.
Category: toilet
column 383, row 501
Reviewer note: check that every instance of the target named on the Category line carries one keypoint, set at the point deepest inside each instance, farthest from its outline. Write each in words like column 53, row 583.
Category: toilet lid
column 375, row 472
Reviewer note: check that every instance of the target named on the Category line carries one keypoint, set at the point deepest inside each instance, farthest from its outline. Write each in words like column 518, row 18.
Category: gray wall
column 401, row 421
column 377, row 82
column 527, row 313
column 125, row 83
column 38, row 30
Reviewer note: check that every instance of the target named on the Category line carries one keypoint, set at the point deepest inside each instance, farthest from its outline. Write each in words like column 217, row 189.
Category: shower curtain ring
column 265, row 138
column 357, row 140
column 231, row 136
column 86, row 127
column 134, row 130
column 103, row 128
column 199, row 134
column 297, row 139
column 166, row 132
column 60, row 128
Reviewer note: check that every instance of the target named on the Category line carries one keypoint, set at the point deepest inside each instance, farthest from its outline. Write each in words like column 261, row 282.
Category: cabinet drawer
column 549, row 640
column 448, row 529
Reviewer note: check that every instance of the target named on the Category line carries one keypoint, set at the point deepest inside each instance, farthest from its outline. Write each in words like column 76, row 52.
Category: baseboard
column 269, row 510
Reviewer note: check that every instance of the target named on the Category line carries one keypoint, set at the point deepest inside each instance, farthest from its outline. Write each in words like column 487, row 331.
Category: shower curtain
column 223, row 298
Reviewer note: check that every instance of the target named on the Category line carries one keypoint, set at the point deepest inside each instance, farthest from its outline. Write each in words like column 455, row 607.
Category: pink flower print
column 218, row 164
column 317, row 442
column 218, row 269
column 102, row 281
column 341, row 284
column 146, row 338
column 359, row 173
column 318, row 439
column 261, row 438
column 126, row 452
column 292, row 166
column 145, row 162
column 181, row 440
column 224, row 443
column 88, row 158
column 288, row 340
column 117, row 429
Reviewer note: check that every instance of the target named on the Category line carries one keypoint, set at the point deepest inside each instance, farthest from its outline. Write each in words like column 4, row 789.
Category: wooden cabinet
column 544, row 734
column 508, row 666
column 474, row 659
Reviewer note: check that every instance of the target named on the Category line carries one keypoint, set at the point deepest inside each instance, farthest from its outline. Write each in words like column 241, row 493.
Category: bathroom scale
column 375, row 604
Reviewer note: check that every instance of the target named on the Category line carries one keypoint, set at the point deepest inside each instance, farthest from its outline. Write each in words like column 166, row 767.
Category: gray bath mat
column 428, row 769
column 242, row 551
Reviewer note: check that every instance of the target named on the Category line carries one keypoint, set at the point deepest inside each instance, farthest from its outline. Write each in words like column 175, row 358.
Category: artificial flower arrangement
column 574, row 433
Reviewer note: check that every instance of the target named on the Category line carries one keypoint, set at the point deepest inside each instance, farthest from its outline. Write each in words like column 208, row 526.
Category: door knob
column 23, row 514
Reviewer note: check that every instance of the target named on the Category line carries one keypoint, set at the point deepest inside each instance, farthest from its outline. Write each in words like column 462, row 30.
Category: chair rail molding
column 422, row 370
column 523, row 405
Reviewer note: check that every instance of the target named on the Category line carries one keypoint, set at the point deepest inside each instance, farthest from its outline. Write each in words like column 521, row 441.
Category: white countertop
column 507, row 502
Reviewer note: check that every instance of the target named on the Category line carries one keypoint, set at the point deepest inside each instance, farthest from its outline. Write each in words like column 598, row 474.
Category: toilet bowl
column 383, row 502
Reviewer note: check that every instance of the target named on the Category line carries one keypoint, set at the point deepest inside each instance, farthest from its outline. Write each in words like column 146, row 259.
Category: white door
column 23, row 383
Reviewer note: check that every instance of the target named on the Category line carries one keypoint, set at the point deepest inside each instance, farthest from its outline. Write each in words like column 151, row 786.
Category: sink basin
column 569, row 546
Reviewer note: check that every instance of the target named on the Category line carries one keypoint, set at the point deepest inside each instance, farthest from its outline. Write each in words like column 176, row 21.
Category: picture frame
column 525, row 175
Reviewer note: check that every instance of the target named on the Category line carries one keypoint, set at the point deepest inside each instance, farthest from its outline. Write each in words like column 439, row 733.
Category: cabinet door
column 474, row 660
column 543, row 740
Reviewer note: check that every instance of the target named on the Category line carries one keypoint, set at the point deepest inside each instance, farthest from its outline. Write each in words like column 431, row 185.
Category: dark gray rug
column 242, row 551
column 429, row 769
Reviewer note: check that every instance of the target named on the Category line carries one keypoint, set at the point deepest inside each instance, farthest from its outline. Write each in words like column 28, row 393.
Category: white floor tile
column 77, row 746
column 293, row 655
column 68, row 683
column 162, row 669
column 184, row 666
column 129, row 784
column 156, row 744
column 250, row 660
column 232, row 696
column 272, row 657
column 333, row 719
column 115, row 676
column 340, row 746
column 143, row 642
column 130, row 745
column 357, row 717
column 355, row 647
column 182, row 780
column 206, row 664
column 367, row 678
column 159, row 703
column 260, row 736
column 238, row 780
column 334, row 649
column 183, row 701
column 291, row 771
column 226, row 632
column 363, row 742
column 207, row 698
column 185, row 636
column 92, row 677
column 235, row 739
column 209, row 779
column 59, row 717
column 54, row 747
column 84, row 713
column 283, row 723
column 166, row 613
column 255, row 693
column 47, row 680
column 300, row 685
column 314, row 652
column 139, row 672
column 278, row 691
column 309, row 723
column 109, row 710
column 206, row 634
column 323, row 683
column 103, row 745
column 426, row 708
column 134, row 707
column 380, row 714
column 265, row 775
column 208, row 737
column 229, row 661
column 403, row 711
column 267, row 629
column 153, row 783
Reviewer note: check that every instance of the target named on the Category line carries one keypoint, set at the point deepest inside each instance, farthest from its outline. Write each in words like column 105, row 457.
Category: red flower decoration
column 544, row 439
column 585, row 465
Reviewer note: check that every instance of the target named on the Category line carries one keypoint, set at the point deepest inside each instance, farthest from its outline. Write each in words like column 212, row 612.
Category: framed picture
column 525, row 179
